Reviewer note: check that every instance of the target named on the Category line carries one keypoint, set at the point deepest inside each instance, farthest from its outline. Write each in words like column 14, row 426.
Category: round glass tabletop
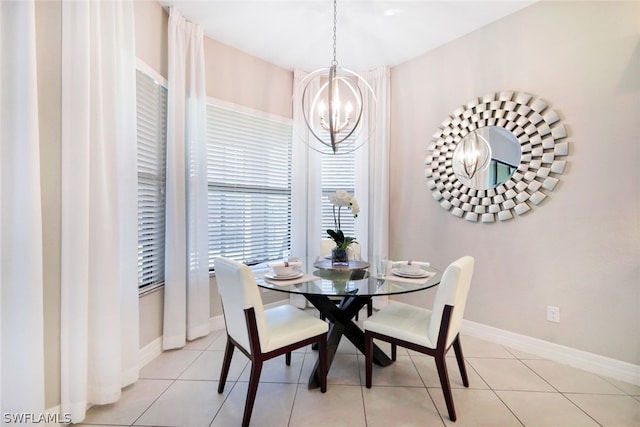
column 316, row 281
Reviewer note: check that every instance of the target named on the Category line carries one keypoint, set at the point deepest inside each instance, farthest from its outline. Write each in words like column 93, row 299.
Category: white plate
column 291, row 276
column 420, row 274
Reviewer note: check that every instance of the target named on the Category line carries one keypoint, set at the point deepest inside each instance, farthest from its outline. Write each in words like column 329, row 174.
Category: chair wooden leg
column 457, row 349
column 444, row 383
column 226, row 363
column 368, row 357
column 369, row 308
column 394, row 352
column 287, row 358
column 322, row 355
column 254, row 379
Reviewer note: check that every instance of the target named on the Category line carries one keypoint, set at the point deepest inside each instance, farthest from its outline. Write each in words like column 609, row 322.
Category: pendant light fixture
column 334, row 104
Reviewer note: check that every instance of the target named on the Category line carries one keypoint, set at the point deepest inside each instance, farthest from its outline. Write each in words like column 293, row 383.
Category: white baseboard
column 216, row 322
column 150, row 352
column 608, row 367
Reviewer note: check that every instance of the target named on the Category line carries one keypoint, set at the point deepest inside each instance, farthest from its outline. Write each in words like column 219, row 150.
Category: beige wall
column 48, row 45
column 580, row 249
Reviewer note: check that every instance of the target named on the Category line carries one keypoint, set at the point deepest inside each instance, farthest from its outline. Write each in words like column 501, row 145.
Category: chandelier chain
column 335, row 20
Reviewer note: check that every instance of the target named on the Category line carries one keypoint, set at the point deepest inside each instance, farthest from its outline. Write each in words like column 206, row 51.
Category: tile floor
column 507, row 388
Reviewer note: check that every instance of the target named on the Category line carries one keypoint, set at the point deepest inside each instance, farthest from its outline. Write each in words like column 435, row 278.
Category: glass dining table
column 339, row 293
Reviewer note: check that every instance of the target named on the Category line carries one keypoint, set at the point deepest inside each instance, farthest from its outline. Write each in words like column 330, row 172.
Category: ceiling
column 370, row 33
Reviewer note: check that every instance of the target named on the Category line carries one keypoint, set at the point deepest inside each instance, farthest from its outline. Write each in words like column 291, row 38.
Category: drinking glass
column 382, row 266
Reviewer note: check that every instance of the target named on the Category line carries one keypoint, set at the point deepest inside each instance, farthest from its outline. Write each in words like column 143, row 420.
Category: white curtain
column 378, row 171
column 99, row 295
column 186, row 295
column 305, row 188
column 21, row 319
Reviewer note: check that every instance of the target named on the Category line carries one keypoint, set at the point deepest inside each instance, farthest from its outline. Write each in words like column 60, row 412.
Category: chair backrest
column 239, row 291
column 326, row 245
column 453, row 290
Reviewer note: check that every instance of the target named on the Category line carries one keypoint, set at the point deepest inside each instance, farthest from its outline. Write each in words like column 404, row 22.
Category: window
column 338, row 173
column 151, row 98
column 249, row 182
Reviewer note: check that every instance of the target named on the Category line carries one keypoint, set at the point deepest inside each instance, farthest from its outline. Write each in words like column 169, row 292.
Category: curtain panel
column 99, row 294
column 21, row 316
column 186, row 295
column 378, row 171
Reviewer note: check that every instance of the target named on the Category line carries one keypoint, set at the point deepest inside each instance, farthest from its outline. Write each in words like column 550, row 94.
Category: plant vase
column 339, row 257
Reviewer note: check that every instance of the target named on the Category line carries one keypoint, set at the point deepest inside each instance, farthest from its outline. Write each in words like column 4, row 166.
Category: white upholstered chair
column 431, row 332
column 262, row 334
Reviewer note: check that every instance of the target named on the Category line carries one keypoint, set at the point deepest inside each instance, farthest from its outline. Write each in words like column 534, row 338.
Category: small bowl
column 410, row 268
column 282, row 271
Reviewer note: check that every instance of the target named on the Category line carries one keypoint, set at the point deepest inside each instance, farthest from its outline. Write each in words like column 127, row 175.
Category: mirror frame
column 542, row 138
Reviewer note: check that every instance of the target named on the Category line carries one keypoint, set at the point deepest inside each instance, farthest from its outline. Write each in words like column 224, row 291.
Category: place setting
column 406, row 271
column 284, row 273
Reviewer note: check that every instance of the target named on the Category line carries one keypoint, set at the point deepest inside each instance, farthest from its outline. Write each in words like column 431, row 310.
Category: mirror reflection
column 486, row 157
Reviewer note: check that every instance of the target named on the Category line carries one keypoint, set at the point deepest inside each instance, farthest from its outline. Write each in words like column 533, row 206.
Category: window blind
column 249, row 185
column 338, row 173
column 151, row 98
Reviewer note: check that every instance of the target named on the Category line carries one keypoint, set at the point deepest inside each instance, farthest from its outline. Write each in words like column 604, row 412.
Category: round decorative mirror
column 496, row 156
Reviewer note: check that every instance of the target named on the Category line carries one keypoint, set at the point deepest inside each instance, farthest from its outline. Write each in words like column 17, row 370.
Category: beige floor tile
column 272, row 407
column 427, row 368
column 609, row 410
column 569, row 379
column 219, row 343
column 400, row 406
column 209, row 366
column 204, row 342
column 522, row 355
column 402, row 372
column 169, row 365
column 277, row 371
column 184, row 404
column 508, row 374
column 340, row 406
column 475, row 408
column 134, row 401
column 538, row 409
column 507, row 388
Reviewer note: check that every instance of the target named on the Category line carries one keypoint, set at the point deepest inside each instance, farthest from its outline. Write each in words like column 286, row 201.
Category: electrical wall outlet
column 553, row 314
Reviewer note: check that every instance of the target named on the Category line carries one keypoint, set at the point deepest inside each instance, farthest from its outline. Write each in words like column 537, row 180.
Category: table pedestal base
column 341, row 317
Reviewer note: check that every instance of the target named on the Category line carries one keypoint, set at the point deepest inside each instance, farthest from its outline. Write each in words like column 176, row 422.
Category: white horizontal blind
column 249, row 176
column 338, row 173
column 151, row 98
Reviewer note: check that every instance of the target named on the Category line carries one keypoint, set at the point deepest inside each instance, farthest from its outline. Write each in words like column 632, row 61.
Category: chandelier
column 334, row 104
